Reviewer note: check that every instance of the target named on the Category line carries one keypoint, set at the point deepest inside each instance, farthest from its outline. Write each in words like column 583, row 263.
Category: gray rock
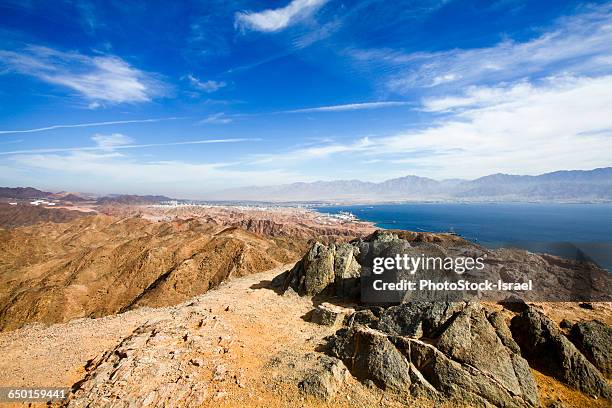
column 364, row 317
column 346, row 272
column 451, row 363
column 455, row 366
column 514, row 303
column 543, row 344
column 418, row 319
column 472, row 340
column 327, row 314
column 325, row 379
column 370, row 355
column 594, row 340
column 503, row 331
column 315, row 272
column 461, row 382
column 332, row 269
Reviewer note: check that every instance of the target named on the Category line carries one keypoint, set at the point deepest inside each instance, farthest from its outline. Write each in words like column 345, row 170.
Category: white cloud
column 349, row 107
column 481, row 96
column 314, row 152
column 98, row 78
column 209, row 86
column 277, row 19
column 219, row 118
column 561, row 124
column 111, row 141
column 111, row 172
column 90, row 124
column 578, row 45
column 222, row 118
column 119, row 142
column 525, row 128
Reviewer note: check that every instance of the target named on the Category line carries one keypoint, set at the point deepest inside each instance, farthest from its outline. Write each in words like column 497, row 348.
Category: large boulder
column 594, row 340
column 330, row 269
column 370, row 355
column 327, row 314
column 314, row 273
column 543, row 344
column 325, row 379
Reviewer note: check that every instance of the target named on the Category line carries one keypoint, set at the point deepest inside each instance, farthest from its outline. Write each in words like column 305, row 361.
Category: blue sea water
column 552, row 228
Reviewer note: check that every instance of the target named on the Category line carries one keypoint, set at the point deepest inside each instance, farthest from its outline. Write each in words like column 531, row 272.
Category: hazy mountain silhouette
column 566, row 185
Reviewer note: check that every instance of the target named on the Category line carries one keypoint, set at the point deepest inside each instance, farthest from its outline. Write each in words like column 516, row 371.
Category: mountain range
column 558, row 186
column 29, row 193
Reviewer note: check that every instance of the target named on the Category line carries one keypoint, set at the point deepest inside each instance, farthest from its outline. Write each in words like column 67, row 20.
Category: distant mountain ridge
column 28, row 193
column 22, row 193
column 130, row 199
column 564, row 185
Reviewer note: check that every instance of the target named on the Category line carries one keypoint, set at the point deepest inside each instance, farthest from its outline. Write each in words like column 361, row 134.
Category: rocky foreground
column 301, row 338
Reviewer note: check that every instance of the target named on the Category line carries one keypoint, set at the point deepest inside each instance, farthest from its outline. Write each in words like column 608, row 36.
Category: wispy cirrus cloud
column 118, row 141
column 98, row 78
column 277, row 19
column 111, row 141
column 314, row 152
column 208, row 86
column 90, row 124
column 577, row 45
column 219, row 118
column 350, row 107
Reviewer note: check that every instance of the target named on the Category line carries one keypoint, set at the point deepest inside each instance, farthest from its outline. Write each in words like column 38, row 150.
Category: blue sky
column 187, row 98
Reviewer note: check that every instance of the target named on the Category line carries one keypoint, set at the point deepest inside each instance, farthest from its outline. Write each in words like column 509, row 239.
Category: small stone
column 327, row 314
column 220, row 395
column 196, row 362
column 325, row 379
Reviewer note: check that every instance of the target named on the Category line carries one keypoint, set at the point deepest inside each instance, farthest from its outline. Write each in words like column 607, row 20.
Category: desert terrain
column 148, row 305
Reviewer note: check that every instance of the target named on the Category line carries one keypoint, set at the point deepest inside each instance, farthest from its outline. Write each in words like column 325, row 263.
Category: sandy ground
column 259, row 341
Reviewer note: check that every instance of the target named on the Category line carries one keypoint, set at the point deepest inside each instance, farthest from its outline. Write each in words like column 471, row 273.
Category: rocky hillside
column 22, row 193
column 132, row 199
column 12, row 216
column 100, row 265
column 269, row 221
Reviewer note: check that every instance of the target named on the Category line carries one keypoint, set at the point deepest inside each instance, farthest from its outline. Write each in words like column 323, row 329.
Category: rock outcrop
column 543, row 344
column 329, row 269
column 437, row 349
column 346, row 270
column 370, row 355
column 594, row 340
